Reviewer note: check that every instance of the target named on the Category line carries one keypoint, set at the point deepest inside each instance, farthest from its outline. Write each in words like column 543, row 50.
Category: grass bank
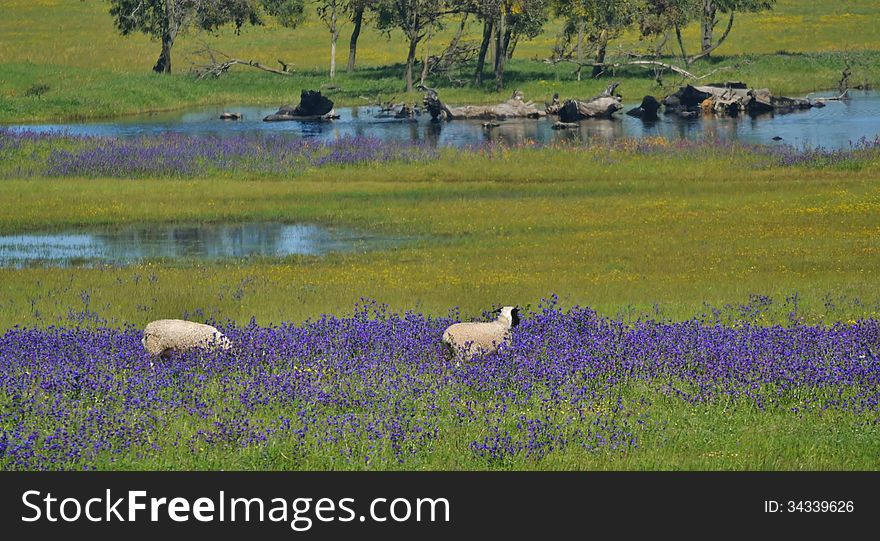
column 92, row 72
column 623, row 231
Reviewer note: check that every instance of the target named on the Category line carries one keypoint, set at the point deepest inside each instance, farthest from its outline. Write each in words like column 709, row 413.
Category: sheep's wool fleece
column 470, row 339
column 178, row 335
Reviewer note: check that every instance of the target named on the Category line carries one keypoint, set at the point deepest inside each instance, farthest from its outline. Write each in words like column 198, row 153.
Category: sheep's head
column 512, row 314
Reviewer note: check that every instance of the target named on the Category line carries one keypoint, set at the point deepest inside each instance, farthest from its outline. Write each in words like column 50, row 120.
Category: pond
column 130, row 244
column 833, row 126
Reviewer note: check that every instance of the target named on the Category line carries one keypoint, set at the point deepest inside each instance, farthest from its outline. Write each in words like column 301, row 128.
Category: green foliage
column 657, row 17
column 742, row 6
column 155, row 17
column 289, row 13
column 599, row 21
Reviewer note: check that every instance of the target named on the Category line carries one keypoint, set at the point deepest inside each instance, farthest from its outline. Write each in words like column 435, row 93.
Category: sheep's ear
column 514, row 317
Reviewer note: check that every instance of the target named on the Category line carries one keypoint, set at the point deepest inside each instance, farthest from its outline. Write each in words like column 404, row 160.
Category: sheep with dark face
column 466, row 340
column 165, row 336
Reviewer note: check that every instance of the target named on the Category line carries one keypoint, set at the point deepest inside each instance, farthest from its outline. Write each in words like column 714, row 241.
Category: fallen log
column 842, row 97
column 312, row 107
column 602, row 106
column 398, row 111
column 435, row 107
column 686, row 98
column 731, row 99
column 512, row 108
column 647, row 110
column 762, row 101
column 515, row 107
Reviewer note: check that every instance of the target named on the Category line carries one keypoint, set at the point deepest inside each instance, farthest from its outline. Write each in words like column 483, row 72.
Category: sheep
column 164, row 336
column 465, row 340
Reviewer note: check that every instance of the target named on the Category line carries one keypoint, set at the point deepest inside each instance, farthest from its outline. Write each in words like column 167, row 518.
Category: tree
column 166, row 19
column 487, row 11
column 328, row 11
column 416, row 18
column 505, row 22
column 595, row 23
column 659, row 16
column 518, row 18
column 356, row 11
column 709, row 18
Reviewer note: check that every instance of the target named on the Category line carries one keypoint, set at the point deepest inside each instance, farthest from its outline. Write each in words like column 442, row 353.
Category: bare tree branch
column 217, row 67
column 717, row 44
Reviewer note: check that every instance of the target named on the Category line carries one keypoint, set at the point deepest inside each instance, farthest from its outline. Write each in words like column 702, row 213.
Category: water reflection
column 833, row 126
column 208, row 241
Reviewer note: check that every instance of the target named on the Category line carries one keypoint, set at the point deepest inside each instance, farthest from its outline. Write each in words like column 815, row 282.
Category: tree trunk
column 163, row 64
column 334, row 36
column 484, row 48
column 454, row 43
column 496, row 44
column 355, row 34
column 580, row 43
column 501, row 52
column 424, row 76
column 684, row 55
column 333, row 55
column 410, row 60
column 707, row 25
column 600, row 53
column 691, row 59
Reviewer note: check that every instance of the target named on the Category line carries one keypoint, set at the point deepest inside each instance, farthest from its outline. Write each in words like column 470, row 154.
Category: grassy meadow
column 765, row 267
column 91, row 71
column 660, row 234
column 610, row 228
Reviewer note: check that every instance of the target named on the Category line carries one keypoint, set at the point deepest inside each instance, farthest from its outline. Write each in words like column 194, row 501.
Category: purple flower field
column 373, row 389
column 29, row 154
column 184, row 156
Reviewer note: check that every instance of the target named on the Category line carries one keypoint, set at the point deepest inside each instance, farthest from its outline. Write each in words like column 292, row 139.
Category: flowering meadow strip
column 374, row 390
column 27, row 154
column 860, row 153
column 175, row 155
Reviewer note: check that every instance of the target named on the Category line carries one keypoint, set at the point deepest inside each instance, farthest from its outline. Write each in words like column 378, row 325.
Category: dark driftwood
column 515, row 107
column 399, row 111
column 647, row 110
column 602, row 106
column 435, row 107
column 312, row 107
column 564, row 125
column 732, row 99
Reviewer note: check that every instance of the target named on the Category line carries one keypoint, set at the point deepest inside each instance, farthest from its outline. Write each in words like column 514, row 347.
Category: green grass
column 675, row 436
column 619, row 232
column 667, row 234
column 93, row 72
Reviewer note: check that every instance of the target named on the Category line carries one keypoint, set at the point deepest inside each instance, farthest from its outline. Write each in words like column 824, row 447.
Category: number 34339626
column 809, row 506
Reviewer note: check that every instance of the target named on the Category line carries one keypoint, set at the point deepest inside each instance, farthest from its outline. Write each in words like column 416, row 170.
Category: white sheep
column 168, row 335
column 466, row 340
